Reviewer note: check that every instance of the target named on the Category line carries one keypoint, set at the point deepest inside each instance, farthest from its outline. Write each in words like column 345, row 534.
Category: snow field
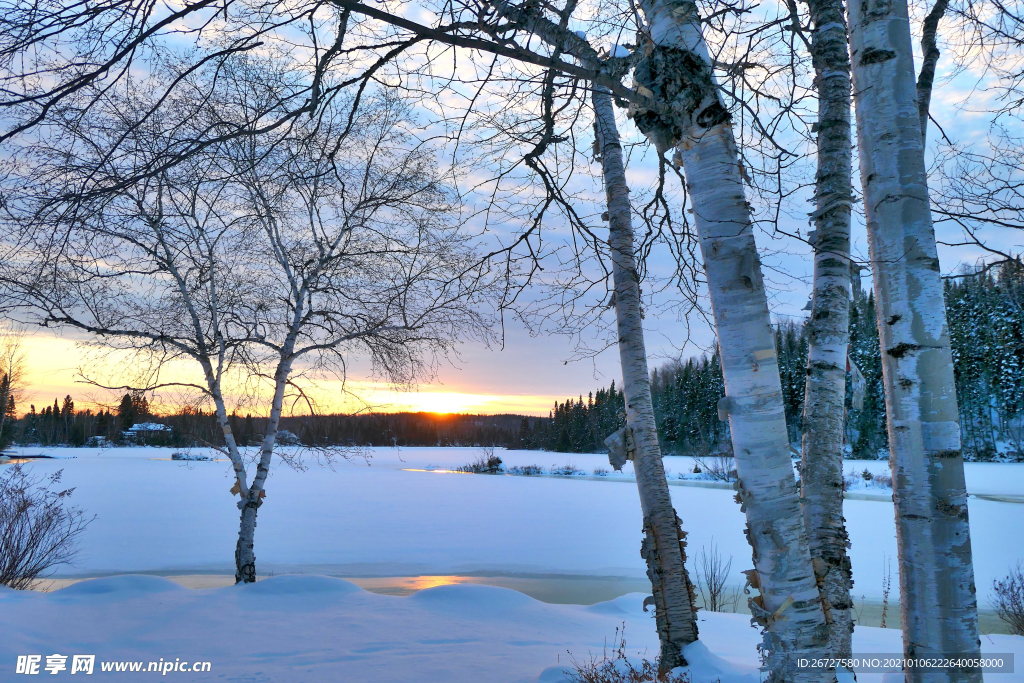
column 313, row 629
column 155, row 515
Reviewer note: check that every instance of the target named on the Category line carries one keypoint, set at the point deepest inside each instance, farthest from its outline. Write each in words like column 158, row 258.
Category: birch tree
column 664, row 543
column 828, row 329
column 268, row 258
column 938, row 601
column 371, row 261
column 676, row 68
column 671, row 585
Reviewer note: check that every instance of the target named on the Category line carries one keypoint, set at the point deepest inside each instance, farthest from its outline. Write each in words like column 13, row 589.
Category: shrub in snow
column 566, row 470
column 528, row 470
column 38, row 531
column 866, row 479
column 189, row 456
column 715, row 467
column 483, row 465
column 712, row 575
column 601, row 472
column 1009, row 602
column 618, row 668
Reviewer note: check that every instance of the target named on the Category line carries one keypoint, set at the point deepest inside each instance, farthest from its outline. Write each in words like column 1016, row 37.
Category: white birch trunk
column 245, row 568
column 245, row 557
column 937, row 593
column 664, row 544
column 677, row 70
column 821, row 470
column 245, row 561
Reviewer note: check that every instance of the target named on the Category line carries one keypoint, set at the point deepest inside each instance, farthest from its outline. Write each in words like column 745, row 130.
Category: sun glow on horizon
column 53, row 363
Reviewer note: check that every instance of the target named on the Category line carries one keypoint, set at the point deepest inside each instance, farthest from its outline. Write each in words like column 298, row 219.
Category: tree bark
column 938, row 603
column 245, row 558
column 252, row 498
column 677, row 68
column 930, row 57
column 245, row 555
column 664, row 544
column 821, row 470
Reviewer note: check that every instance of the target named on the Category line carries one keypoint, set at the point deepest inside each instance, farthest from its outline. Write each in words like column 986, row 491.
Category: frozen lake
column 382, row 518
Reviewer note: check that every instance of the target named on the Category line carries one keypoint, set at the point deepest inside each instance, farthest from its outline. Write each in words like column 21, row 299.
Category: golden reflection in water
column 418, row 583
column 406, row 585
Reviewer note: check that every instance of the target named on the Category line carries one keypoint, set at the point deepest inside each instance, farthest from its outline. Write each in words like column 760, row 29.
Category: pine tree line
column 985, row 309
column 62, row 424
column 986, row 326
column 576, row 426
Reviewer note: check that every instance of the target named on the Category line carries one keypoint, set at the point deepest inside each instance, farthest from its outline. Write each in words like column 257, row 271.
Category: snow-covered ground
column 391, row 516
column 307, row 629
column 357, row 519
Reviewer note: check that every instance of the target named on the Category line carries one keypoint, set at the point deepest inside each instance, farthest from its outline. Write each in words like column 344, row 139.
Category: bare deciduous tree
column 267, row 259
column 12, row 372
column 712, row 572
column 665, row 542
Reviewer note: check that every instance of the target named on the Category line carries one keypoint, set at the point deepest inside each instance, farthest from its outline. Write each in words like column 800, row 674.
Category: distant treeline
column 61, row 424
column 986, row 321
column 407, row 429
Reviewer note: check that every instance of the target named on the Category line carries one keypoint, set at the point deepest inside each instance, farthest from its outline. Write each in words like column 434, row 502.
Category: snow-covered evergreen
column 986, row 320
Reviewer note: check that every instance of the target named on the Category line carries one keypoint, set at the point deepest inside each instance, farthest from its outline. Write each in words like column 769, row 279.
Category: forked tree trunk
column 252, row 499
column 664, row 542
column 251, row 495
column 245, row 559
column 828, row 330
column 937, row 593
column 676, row 69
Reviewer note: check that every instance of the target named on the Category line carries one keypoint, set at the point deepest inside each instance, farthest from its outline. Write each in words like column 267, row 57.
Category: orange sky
column 524, row 380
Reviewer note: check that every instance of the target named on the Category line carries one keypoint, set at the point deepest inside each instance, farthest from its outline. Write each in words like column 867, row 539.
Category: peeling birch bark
column 676, row 69
column 938, row 603
column 664, row 542
column 828, row 330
